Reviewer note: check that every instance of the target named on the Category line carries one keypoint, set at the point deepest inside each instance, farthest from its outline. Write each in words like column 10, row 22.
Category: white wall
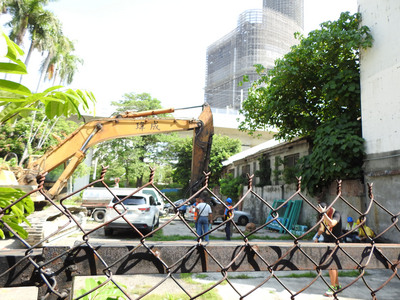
column 380, row 76
column 380, row 103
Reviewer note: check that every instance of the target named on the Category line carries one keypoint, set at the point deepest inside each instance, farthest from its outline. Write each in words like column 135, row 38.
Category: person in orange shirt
column 195, row 213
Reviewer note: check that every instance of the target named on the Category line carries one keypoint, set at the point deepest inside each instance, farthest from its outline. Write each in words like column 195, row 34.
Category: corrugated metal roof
column 251, row 151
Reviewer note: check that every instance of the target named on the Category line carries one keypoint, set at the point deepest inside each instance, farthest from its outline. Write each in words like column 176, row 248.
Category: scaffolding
column 261, row 36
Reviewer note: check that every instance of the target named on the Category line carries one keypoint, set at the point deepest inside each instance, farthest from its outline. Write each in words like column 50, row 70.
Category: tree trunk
column 139, row 181
column 28, row 57
column 44, row 70
column 46, row 134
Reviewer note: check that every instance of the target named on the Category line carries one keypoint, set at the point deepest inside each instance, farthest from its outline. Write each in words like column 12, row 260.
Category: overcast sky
column 156, row 46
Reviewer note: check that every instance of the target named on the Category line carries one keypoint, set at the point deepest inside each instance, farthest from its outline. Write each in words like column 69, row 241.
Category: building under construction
column 261, row 36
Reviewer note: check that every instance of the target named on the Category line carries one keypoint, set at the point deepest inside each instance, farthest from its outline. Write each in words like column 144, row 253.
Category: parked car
column 96, row 199
column 141, row 210
column 157, row 196
column 170, row 209
column 239, row 217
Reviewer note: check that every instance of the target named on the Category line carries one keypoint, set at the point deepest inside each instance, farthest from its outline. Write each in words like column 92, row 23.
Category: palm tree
column 68, row 67
column 57, row 41
column 3, row 6
column 43, row 32
column 63, row 63
column 24, row 13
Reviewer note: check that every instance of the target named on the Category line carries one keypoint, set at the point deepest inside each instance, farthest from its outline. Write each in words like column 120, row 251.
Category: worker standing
column 204, row 214
column 227, row 215
column 195, row 216
column 330, row 228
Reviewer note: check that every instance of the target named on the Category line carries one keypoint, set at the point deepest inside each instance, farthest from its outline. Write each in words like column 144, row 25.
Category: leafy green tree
column 57, row 46
column 17, row 101
column 316, row 84
column 129, row 157
column 264, row 173
column 136, row 102
column 122, row 158
column 232, row 186
column 222, row 148
column 337, row 154
column 14, row 137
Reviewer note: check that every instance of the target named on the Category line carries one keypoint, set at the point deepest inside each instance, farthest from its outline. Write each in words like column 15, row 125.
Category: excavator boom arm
column 74, row 147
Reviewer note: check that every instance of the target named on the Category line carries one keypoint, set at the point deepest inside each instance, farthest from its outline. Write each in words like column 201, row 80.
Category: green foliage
column 314, row 92
column 123, row 158
column 284, row 172
column 173, row 196
column 8, row 163
column 318, row 80
column 18, row 100
column 14, row 137
column 107, row 292
column 337, row 154
column 128, row 158
column 17, row 213
column 277, row 170
column 232, row 186
column 264, row 173
column 182, row 150
column 222, row 148
column 136, row 102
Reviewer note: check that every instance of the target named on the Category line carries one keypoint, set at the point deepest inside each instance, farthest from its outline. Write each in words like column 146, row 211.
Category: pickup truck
column 96, row 199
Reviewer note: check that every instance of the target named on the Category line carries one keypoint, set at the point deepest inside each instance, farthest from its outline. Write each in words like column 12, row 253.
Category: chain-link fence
column 53, row 268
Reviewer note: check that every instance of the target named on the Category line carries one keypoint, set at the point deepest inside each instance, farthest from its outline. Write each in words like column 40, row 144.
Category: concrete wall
column 380, row 75
column 380, row 98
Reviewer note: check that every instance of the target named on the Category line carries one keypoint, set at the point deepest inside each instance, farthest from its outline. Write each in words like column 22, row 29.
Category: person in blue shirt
column 182, row 211
column 228, row 214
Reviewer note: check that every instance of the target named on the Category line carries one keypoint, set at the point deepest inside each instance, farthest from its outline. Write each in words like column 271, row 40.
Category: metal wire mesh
column 52, row 268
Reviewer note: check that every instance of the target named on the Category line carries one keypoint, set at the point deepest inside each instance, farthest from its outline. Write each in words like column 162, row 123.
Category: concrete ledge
column 19, row 293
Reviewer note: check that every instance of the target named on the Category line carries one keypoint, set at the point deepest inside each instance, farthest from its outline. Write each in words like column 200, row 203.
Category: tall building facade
column 261, row 36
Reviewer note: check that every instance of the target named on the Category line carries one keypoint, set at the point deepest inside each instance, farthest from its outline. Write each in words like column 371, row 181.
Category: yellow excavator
column 71, row 151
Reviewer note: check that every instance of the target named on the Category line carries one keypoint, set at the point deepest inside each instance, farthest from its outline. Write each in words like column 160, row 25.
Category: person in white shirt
column 204, row 217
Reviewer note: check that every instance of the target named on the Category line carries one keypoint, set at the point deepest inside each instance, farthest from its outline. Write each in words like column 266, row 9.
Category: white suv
column 139, row 209
column 157, row 196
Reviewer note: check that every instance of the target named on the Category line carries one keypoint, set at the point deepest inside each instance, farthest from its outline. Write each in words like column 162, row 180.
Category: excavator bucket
column 202, row 141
